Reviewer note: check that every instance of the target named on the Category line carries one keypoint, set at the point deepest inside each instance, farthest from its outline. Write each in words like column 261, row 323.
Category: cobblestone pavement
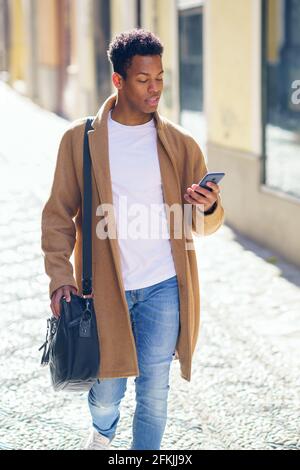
column 244, row 392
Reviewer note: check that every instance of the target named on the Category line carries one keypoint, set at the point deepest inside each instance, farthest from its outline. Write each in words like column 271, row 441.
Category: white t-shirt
column 142, row 229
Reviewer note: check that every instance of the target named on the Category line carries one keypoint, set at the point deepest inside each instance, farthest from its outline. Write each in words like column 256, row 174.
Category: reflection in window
column 190, row 37
column 282, row 93
column 191, row 71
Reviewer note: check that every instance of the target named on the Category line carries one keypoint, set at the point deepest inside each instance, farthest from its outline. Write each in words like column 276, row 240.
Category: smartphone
column 213, row 177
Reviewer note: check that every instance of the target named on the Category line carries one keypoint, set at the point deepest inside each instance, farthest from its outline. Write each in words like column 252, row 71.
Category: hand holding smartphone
column 214, row 177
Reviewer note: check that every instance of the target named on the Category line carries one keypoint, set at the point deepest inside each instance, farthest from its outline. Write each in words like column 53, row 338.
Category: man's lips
column 153, row 101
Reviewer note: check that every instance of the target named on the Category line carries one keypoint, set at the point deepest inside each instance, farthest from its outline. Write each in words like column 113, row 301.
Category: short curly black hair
column 136, row 41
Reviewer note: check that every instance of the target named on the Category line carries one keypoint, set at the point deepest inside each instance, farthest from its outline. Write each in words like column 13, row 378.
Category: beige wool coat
column 182, row 164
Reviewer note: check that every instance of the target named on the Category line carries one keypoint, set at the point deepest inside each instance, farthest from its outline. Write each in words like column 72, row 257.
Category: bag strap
column 87, row 214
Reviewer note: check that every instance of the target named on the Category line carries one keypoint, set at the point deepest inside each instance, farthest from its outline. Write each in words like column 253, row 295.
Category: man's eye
column 145, row 81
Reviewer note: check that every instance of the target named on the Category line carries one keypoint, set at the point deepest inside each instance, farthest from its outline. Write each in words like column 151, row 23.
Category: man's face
column 144, row 83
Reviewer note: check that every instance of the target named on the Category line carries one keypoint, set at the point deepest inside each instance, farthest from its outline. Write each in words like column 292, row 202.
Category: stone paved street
column 245, row 388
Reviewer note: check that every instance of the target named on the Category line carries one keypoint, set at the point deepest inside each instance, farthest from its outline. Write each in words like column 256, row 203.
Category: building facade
column 232, row 77
column 253, row 125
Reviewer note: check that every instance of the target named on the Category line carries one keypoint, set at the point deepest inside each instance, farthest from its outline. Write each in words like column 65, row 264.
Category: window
column 190, row 59
column 190, row 23
column 281, row 95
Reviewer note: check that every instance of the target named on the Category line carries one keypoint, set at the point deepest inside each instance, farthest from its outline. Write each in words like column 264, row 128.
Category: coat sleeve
column 58, row 233
column 204, row 224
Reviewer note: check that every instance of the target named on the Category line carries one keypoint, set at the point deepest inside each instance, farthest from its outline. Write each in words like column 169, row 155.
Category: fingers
column 66, row 293
column 191, row 200
column 202, row 194
column 199, row 195
column 55, row 307
column 210, row 195
column 214, row 186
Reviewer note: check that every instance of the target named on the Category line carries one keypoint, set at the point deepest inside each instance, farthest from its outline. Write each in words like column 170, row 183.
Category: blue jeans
column 154, row 314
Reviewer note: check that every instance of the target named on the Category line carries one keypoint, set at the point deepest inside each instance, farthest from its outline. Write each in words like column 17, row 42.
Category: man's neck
column 128, row 118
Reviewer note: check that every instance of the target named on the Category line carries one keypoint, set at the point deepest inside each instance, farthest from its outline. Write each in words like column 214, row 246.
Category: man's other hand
column 64, row 291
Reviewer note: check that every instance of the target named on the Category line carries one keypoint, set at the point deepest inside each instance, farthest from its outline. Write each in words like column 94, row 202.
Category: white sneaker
column 96, row 441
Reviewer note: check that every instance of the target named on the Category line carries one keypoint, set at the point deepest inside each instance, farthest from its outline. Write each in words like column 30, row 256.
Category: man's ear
column 117, row 80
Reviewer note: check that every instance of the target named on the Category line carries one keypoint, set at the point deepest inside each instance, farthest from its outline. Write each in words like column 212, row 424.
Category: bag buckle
column 87, row 306
column 85, row 327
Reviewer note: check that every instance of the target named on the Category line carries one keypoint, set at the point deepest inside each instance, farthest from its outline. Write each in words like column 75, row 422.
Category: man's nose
column 153, row 87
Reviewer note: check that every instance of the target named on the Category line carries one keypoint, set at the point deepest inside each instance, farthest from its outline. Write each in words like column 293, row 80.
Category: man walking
column 146, row 289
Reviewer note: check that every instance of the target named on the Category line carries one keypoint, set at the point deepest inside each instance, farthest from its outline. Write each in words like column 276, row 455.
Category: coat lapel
column 98, row 142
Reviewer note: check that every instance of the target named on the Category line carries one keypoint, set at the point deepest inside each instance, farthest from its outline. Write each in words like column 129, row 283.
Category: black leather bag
column 71, row 348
